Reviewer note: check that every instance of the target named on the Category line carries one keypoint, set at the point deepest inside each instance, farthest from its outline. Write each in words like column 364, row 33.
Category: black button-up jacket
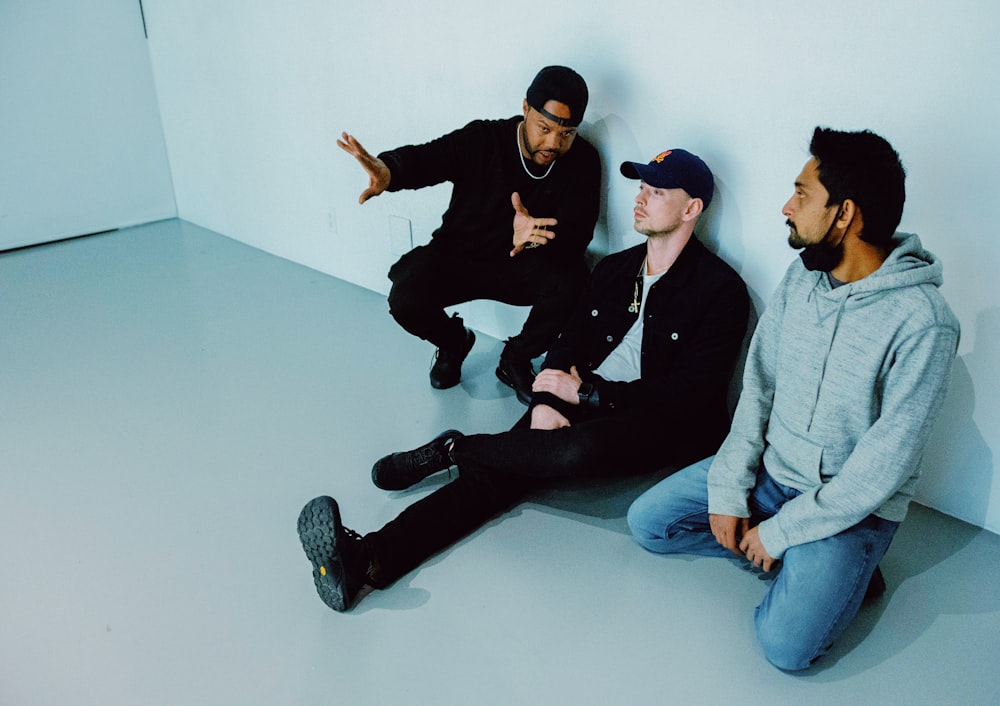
column 694, row 322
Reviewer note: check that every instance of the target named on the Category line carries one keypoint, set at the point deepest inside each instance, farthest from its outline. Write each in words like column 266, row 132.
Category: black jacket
column 483, row 162
column 694, row 322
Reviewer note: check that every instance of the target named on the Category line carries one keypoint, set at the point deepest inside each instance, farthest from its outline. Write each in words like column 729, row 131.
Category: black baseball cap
column 559, row 83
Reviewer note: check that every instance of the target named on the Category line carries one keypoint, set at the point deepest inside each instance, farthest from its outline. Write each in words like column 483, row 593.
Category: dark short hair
column 863, row 167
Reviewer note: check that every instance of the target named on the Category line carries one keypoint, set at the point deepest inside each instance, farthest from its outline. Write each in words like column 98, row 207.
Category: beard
column 817, row 257
column 533, row 151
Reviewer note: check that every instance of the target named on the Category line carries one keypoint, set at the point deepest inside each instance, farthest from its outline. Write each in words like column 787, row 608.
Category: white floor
column 169, row 399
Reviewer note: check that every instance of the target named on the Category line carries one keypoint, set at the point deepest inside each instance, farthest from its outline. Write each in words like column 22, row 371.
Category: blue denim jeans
column 819, row 585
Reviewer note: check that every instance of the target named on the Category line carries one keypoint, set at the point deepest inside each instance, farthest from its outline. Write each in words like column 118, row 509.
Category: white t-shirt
column 624, row 363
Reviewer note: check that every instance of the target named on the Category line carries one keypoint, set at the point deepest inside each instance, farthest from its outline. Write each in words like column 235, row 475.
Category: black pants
column 497, row 471
column 429, row 278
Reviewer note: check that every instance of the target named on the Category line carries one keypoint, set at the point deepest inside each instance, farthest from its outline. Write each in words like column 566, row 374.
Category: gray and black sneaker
column 400, row 470
column 338, row 554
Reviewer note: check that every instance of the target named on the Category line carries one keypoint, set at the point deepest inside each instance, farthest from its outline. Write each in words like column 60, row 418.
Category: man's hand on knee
column 563, row 385
column 545, row 417
column 754, row 550
column 729, row 530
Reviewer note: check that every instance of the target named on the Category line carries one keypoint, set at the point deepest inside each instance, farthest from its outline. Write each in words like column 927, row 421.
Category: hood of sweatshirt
column 908, row 265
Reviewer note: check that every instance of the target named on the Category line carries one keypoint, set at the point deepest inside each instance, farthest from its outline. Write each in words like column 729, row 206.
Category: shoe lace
column 423, row 456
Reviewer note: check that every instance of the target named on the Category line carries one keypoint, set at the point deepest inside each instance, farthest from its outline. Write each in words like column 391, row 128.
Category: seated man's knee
column 641, row 523
column 782, row 648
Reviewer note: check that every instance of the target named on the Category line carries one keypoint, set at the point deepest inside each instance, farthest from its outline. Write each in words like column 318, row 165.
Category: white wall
column 253, row 96
column 81, row 144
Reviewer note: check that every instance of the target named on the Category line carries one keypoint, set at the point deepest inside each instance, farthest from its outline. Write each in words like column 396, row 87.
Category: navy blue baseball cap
column 675, row 169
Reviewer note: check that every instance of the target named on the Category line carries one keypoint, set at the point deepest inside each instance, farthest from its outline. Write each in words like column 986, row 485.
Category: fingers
column 725, row 528
column 378, row 173
column 535, row 237
column 529, row 232
column 754, row 550
column 546, row 380
column 545, row 417
column 558, row 383
column 349, row 144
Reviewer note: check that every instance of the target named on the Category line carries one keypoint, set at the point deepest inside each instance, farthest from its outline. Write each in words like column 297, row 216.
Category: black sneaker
column 447, row 368
column 518, row 374
column 400, row 470
column 338, row 554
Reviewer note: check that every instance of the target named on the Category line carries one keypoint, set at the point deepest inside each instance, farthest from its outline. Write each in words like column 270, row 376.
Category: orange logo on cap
column 662, row 156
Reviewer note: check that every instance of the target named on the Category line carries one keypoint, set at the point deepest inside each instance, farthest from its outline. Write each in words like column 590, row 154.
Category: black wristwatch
column 588, row 394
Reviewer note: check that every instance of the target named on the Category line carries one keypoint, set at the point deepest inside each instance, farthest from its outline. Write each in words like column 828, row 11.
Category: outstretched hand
column 378, row 173
column 529, row 232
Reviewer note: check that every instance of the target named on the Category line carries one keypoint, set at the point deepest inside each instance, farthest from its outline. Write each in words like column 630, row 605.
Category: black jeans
column 497, row 471
column 429, row 278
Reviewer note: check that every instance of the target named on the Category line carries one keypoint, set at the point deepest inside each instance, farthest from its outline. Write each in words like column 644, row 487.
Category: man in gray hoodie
column 845, row 376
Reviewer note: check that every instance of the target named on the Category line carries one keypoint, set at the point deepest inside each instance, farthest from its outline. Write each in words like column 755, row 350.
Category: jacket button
column 674, row 336
column 611, row 339
column 594, row 312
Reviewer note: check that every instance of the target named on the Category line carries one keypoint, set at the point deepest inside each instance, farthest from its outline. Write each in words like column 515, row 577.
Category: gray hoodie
column 840, row 391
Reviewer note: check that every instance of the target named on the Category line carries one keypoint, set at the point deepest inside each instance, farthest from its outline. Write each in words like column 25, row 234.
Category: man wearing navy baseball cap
column 524, row 202
column 675, row 169
column 636, row 382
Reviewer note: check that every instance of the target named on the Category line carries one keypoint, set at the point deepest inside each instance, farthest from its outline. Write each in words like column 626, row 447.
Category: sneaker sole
column 319, row 524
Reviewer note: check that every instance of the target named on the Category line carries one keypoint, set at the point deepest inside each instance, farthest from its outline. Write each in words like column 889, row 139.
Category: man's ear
column 846, row 213
column 694, row 208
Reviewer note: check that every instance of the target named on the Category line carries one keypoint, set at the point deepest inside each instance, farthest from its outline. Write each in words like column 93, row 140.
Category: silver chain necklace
column 524, row 164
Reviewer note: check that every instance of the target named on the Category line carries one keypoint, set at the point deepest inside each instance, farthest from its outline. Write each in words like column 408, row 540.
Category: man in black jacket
column 637, row 382
column 525, row 198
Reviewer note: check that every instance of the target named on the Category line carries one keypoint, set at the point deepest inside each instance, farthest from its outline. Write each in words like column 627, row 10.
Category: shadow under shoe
column 517, row 373
column 339, row 555
column 447, row 368
column 400, row 470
